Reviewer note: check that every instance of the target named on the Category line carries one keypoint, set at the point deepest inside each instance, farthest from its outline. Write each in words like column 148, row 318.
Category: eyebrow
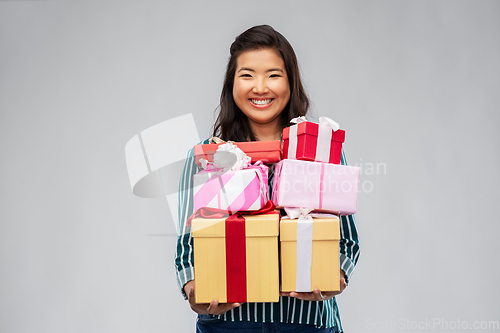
column 251, row 70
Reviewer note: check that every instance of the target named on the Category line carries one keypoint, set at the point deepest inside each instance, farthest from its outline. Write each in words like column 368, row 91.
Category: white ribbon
column 292, row 136
column 304, row 245
column 326, row 125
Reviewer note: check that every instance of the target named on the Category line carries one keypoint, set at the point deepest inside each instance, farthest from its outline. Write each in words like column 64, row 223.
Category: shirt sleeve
column 184, row 257
column 349, row 242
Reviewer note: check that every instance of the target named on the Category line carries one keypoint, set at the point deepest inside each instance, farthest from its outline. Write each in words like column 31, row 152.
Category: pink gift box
column 321, row 186
column 235, row 191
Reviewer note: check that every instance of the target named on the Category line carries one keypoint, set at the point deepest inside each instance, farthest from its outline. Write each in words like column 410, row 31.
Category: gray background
column 414, row 84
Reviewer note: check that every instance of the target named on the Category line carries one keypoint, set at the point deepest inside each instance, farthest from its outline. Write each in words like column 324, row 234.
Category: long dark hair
column 231, row 123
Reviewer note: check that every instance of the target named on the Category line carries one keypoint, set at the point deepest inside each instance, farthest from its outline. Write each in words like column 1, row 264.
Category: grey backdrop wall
column 414, row 84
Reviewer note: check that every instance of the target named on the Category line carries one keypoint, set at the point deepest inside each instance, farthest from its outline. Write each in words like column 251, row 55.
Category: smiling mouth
column 261, row 101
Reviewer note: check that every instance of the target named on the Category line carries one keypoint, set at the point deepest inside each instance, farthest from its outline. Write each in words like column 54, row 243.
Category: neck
column 266, row 132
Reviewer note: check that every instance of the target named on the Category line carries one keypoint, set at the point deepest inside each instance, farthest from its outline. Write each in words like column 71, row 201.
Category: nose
column 260, row 87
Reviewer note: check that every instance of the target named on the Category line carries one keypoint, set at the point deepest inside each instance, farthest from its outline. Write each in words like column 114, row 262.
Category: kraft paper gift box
column 234, row 190
column 236, row 259
column 310, row 254
column 313, row 142
column 266, row 151
column 324, row 187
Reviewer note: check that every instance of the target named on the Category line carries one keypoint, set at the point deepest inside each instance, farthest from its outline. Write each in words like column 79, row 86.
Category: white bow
column 300, row 213
column 325, row 121
column 296, row 213
column 298, row 120
column 228, row 157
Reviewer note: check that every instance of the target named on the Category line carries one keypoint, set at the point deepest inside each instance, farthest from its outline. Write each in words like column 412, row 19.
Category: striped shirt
column 322, row 314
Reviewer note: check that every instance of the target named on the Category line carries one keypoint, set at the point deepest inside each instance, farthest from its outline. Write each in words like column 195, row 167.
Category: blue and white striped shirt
column 322, row 314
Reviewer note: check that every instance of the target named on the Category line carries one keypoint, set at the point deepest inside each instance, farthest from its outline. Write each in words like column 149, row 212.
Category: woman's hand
column 316, row 294
column 213, row 308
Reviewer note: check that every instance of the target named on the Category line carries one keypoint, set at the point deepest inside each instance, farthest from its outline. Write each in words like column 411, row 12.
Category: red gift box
column 307, row 143
column 266, row 151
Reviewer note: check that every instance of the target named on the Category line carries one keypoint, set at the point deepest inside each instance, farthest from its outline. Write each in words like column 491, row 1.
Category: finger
column 223, row 308
column 330, row 294
column 284, row 293
column 235, row 305
column 317, row 294
column 191, row 295
column 212, row 307
column 343, row 284
column 303, row 296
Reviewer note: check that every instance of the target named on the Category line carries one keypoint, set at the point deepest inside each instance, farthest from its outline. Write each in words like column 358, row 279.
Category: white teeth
column 261, row 101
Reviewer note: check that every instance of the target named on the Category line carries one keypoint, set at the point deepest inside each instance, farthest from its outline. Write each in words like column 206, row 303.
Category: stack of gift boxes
column 236, row 231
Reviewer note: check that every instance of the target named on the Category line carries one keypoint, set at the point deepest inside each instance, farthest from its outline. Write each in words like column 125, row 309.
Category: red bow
column 214, row 213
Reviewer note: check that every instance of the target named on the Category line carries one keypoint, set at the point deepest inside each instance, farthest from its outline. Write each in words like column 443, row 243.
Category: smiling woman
column 262, row 92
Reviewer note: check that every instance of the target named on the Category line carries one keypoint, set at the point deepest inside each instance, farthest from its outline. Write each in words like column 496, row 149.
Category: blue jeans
column 205, row 324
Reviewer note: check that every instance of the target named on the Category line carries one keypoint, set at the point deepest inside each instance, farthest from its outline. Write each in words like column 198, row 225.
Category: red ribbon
column 236, row 263
column 236, row 266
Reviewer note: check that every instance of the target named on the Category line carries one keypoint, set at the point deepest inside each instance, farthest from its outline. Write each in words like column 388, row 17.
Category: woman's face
column 261, row 88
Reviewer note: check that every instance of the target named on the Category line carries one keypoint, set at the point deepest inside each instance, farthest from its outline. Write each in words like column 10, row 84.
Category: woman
column 262, row 92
